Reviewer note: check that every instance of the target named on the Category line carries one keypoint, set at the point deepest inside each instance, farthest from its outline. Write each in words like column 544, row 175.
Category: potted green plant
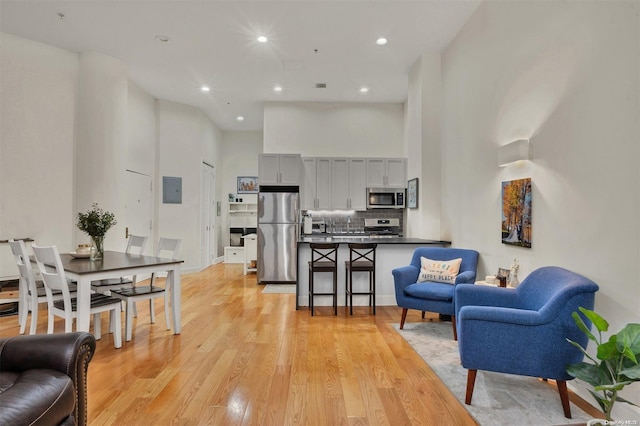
column 616, row 363
column 95, row 223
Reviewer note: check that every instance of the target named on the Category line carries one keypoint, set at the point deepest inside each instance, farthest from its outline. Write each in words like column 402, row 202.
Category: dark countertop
column 305, row 239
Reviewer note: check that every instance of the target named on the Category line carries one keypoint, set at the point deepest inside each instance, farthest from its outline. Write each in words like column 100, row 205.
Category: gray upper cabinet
column 386, row 172
column 349, row 184
column 279, row 169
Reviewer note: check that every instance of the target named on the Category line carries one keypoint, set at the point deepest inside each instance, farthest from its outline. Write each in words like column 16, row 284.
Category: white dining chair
column 135, row 245
column 168, row 248
column 31, row 292
column 53, row 275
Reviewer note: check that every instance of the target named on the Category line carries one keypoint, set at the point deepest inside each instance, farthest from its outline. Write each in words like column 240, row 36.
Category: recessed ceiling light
column 240, row 118
column 163, row 38
column 205, row 89
column 381, row 41
column 262, row 39
column 364, row 89
column 277, row 89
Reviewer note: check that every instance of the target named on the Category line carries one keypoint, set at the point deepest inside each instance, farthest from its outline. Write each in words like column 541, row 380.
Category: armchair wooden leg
column 564, row 397
column 471, row 381
column 422, row 314
column 403, row 318
column 455, row 331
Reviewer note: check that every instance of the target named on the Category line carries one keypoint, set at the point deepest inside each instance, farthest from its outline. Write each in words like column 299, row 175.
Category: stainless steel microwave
column 385, row 198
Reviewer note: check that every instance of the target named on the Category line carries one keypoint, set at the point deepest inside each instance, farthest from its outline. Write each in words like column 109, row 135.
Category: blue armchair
column 432, row 296
column 524, row 330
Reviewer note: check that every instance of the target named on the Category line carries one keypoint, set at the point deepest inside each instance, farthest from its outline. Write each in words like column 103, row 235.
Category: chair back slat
column 27, row 281
column 362, row 252
column 136, row 242
column 168, row 247
column 52, row 272
column 327, row 253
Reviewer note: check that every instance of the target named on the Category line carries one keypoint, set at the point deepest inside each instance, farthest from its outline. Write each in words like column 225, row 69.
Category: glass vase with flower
column 95, row 223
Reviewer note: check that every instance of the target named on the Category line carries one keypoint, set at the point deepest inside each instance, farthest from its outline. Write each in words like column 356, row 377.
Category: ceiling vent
column 321, row 85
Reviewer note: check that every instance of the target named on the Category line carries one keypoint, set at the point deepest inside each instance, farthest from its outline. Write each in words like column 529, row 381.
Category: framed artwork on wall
column 247, row 184
column 516, row 213
column 412, row 193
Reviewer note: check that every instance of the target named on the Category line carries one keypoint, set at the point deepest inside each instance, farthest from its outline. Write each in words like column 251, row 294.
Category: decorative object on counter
column 490, row 279
column 513, row 276
column 95, row 223
column 616, row 365
column 516, row 212
column 412, row 193
column 247, row 184
column 503, row 276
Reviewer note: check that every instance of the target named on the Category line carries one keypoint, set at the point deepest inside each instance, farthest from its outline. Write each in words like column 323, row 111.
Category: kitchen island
column 390, row 254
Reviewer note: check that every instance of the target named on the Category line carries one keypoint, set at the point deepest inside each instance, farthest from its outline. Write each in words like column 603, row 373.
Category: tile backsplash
column 337, row 221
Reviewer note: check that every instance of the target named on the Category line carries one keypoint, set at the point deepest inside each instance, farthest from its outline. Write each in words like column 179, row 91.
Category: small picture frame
column 247, row 184
column 503, row 272
column 412, row 193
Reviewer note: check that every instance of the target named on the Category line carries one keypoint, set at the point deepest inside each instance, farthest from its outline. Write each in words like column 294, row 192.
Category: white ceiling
column 214, row 43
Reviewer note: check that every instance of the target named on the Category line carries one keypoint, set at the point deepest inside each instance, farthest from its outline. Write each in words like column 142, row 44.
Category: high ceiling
column 214, row 43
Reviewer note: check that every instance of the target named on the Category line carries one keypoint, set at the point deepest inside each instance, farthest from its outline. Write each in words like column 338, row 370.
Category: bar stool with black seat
column 324, row 258
column 362, row 258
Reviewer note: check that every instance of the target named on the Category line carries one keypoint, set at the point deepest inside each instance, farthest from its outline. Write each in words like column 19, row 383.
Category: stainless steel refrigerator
column 278, row 228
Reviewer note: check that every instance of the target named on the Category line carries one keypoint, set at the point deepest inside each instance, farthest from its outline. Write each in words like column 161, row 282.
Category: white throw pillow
column 443, row 271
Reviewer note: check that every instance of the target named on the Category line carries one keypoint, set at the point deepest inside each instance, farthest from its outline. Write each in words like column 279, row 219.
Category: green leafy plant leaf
column 600, row 323
column 617, row 360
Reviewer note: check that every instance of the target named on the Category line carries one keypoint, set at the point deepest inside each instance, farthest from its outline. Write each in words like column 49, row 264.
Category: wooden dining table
column 115, row 265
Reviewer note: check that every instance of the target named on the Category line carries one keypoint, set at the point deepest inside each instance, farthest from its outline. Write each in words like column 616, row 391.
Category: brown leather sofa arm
column 68, row 353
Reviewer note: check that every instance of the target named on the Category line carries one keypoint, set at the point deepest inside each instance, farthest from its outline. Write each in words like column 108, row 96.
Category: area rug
column 498, row 399
column 279, row 289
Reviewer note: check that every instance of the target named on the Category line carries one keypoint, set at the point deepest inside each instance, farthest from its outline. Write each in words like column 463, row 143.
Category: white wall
column 100, row 135
column 185, row 140
column 38, row 89
column 334, row 129
column 40, row 96
column 423, row 122
column 240, row 151
column 565, row 75
column 141, row 131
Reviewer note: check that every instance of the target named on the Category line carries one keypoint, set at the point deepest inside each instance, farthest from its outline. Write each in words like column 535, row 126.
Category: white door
column 138, row 209
column 208, row 210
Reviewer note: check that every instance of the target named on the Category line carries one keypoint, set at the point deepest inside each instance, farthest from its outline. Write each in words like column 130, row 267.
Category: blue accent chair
column 432, row 296
column 524, row 330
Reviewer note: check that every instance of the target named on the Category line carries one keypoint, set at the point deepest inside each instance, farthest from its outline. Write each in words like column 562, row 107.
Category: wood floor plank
column 248, row 358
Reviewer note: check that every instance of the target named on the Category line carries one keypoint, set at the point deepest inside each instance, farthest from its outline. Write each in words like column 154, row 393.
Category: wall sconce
column 512, row 152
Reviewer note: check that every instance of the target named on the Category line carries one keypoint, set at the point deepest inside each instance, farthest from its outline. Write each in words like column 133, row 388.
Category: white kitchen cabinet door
column 308, row 189
column 357, row 184
column 387, row 172
column 396, row 173
column 323, row 184
column 279, row 169
column 268, row 169
column 289, row 169
column 376, row 172
column 340, row 191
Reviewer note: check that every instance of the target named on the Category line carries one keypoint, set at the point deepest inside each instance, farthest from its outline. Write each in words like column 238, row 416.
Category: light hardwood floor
column 248, row 358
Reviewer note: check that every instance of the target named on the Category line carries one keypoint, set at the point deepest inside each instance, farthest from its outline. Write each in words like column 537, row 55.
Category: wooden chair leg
column 564, row 397
column 422, row 314
column 471, row 381
column 455, row 331
column 403, row 318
